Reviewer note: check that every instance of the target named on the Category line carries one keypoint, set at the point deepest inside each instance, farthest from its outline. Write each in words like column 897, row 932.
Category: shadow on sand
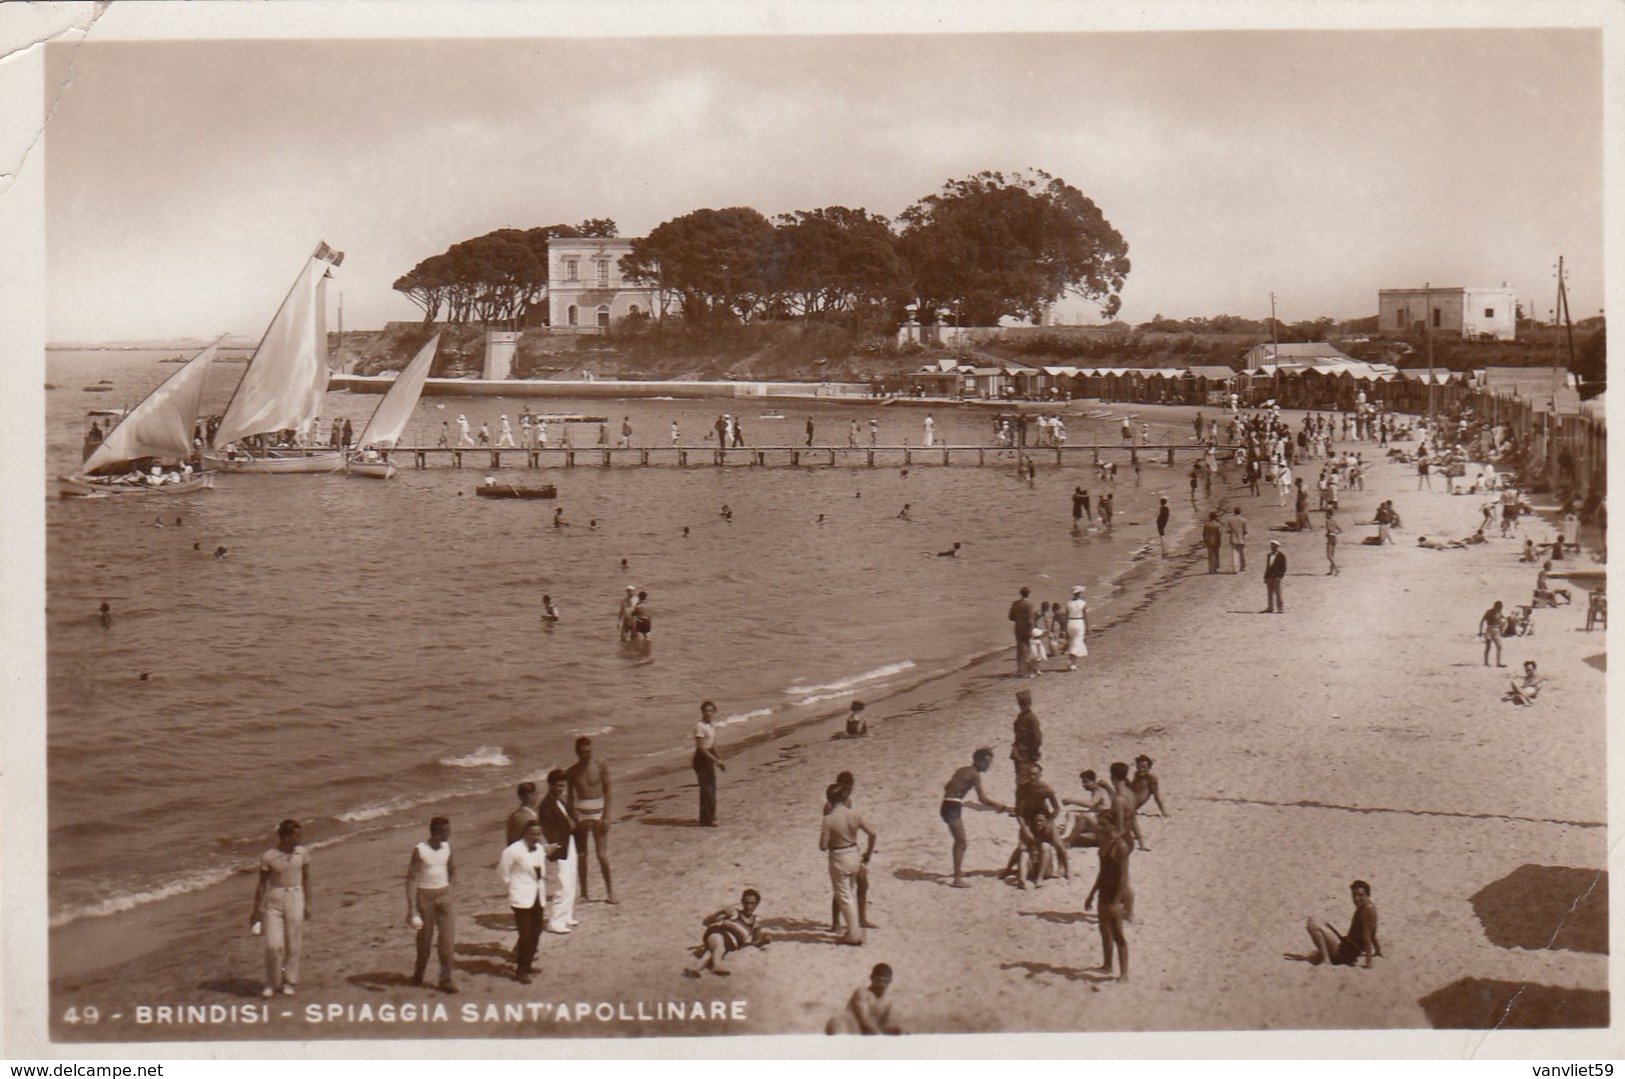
column 1546, row 907
column 1485, row 1004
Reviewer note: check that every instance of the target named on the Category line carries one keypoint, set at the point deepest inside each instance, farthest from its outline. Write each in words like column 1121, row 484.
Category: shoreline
column 108, row 937
column 1294, row 755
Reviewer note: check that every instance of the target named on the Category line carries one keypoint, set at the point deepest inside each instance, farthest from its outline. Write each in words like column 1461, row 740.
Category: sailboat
column 282, row 389
column 157, row 431
column 389, row 418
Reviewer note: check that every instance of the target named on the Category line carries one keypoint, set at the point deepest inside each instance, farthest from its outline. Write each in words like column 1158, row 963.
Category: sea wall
column 603, row 388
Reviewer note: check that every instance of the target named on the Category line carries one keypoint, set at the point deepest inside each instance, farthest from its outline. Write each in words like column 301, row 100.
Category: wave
column 856, row 679
column 741, row 717
column 594, row 732
column 115, row 904
column 817, row 698
column 483, row 757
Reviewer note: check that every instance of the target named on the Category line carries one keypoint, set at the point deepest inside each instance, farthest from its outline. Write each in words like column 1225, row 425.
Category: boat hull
column 508, row 490
column 93, row 487
column 375, row 470
column 292, row 464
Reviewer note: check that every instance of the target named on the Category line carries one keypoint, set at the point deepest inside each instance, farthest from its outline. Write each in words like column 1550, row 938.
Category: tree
column 603, row 228
column 713, row 262
column 836, row 261
column 997, row 245
column 1591, row 360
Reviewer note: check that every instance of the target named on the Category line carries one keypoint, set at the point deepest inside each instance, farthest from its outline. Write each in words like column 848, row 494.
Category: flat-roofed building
column 1469, row 312
column 586, row 291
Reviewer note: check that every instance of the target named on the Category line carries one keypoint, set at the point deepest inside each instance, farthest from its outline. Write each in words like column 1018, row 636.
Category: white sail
column 162, row 424
column 387, row 423
column 287, row 376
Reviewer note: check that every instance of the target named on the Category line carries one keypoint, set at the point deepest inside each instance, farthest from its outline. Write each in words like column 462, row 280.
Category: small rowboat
column 508, row 490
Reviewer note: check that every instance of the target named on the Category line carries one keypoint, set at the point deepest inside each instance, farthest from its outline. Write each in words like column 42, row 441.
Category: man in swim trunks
column 1361, row 940
column 1115, row 901
column 1096, row 804
column 1119, row 830
column 1145, row 788
column 729, row 930
column 587, row 798
column 868, row 1011
column 963, row 782
column 1036, row 807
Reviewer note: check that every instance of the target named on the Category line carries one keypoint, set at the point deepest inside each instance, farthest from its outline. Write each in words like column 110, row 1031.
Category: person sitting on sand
column 1529, row 552
column 1145, row 787
column 868, row 1011
column 965, row 781
column 1343, row 950
column 856, row 725
column 1036, row 808
column 1096, row 803
column 1524, row 690
column 727, row 931
column 1545, row 594
column 952, row 552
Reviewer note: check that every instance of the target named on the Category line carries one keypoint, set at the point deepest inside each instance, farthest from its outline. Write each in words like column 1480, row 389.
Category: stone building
column 1468, row 312
column 586, row 292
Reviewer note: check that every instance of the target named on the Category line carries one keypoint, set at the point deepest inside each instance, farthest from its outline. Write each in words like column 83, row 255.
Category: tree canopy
column 996, row 245
column 497, row 277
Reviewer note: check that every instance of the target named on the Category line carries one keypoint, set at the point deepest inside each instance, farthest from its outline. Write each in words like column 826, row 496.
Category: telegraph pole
column 1275, row 349
column 1427, row 331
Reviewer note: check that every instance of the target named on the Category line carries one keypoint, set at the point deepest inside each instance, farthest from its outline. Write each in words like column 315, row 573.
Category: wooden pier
column 882, row 456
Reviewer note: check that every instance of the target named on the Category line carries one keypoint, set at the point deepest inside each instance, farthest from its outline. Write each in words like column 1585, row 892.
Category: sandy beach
column 1358, row 735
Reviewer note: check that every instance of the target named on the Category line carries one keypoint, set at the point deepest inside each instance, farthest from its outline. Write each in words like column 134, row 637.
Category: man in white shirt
column 707, row 763
column 522, row 869
column 429, row 876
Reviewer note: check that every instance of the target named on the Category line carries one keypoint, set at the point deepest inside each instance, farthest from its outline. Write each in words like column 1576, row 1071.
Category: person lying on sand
column 1440, row 545
column 1340, row 949
column 729, row 930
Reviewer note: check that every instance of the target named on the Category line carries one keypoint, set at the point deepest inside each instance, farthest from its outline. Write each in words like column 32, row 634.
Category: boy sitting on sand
column 1526, row 689
column 1361, row 940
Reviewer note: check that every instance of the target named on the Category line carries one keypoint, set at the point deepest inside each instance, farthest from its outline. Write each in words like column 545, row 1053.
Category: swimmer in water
column 106, row 615
column 685, row 532
column 623, row 564
column 550, row 613
column 220, row 552
column 820, row 518
column 592, row 523
column 727, row 512
column 903, row 513
column 558, row 518
column 951, row 553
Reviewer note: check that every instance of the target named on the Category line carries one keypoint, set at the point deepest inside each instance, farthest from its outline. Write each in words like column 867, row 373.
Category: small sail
column 287, row 376
column 387, row 423
column 162, row 424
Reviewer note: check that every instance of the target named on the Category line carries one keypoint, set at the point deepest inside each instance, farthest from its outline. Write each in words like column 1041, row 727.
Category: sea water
column 365, row 648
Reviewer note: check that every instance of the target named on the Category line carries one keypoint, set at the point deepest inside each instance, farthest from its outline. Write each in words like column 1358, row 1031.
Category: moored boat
column 131, row 458
column 508, row 490
column 282, row 389
column 388, row 420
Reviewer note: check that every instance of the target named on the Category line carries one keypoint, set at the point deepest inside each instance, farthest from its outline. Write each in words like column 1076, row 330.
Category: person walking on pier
column 739, row 433
column 874, row 432
column 852, row 435
column 485, row 433
column 464, row 437
column 809, row 430
column 626, row 432
column 445, row 433
column 505, row 434
column 674, row 432
column 707, row 763
column 930, row 430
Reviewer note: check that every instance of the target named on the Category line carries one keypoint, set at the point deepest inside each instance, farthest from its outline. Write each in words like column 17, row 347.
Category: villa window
column 572, row 270
column 602, row 266
column 575, row 315
column 1489, row 312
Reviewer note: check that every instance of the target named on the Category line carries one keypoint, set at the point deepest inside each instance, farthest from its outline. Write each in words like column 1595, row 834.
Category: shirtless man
column 523, row 815
column 1361, row 940
column 965, row 781
column 587, row 797
column 1096, row 804
column 1036, row 808
column 1116, row 901
column 1119, row 829
column 1144, row 785
column 868, row 1011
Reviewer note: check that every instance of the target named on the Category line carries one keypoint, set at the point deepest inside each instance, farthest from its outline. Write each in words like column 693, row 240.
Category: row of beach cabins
column 1540, row 405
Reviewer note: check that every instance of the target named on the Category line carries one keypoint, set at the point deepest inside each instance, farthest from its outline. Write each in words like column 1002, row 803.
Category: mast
column 1427, row 331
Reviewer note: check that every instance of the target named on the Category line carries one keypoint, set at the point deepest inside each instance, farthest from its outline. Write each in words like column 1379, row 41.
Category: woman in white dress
column 1077, row 625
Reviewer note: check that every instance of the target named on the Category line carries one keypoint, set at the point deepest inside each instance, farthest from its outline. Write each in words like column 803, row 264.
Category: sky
column 185, row 181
